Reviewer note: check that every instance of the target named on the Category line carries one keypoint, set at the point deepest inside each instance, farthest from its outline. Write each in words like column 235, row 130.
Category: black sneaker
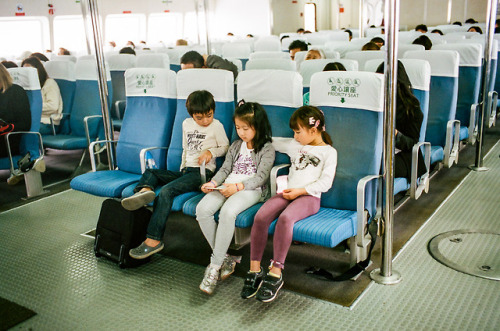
column 269, row 288
column 252, row 284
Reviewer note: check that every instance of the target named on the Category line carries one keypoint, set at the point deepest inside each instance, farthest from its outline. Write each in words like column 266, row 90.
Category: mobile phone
column 218, row 188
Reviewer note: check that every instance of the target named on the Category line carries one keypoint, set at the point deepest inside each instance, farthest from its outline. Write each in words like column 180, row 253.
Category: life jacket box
column 118, row 230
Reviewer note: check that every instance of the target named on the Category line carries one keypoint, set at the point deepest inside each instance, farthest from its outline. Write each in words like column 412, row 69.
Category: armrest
column 52, row 116
column 40, row 144
column 473, row 124
column 142, row 156
column 86, row 122
column 492, row 108
column 362, row 217
column 118, row 103
column 416, row 188
column 92, row 151
column 452, row 143
column 273, row 175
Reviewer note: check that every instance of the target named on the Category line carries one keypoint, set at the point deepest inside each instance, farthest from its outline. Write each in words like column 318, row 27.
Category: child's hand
column 229, row 189
column 205, row 156
column 207, row 187
column 293, row 193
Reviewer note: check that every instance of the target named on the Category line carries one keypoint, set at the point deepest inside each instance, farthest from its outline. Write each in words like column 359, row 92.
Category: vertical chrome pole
column 102, row 78
column 465, row 10
column 207, row 28
column 385, row 275
column 84, row 4
column 488, row 50
column 424, row 20
column 448, row 14
column 271, row 17
column 361, row 19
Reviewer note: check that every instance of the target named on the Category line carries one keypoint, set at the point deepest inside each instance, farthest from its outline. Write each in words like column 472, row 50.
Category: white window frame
column 44, row 35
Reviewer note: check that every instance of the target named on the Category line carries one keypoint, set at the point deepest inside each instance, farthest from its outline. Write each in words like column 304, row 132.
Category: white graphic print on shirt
column 194, row 140
column 304, row 160
column 243, row 168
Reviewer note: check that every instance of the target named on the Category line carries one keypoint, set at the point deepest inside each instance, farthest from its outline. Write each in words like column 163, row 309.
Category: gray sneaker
column 143, row 251
column 228, row 266
column 210, row 279
column 138, row 200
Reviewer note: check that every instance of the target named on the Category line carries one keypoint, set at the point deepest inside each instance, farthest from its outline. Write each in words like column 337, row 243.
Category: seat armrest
column 86, row 122
column 273, row 175
column 472, row 124
column 118, row 103
column 452, row 143
column 417, row 188
column 142, row 156
column 92, row 151
column 362, row 216
column 40, row 145
column 492, row 108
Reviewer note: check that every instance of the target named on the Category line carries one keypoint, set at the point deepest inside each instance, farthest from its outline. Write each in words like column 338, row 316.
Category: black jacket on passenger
column 14, row 109
column 216, row 62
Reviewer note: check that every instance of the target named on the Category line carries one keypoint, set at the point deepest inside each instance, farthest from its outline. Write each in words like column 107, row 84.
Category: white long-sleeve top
column 196, row 139
column 312, row 167
column 52, row 102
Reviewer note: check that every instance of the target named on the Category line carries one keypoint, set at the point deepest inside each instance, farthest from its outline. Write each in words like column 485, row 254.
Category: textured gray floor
column 47, row 266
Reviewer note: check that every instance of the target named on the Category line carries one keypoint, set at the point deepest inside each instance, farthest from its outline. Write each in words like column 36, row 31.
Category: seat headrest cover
column 480, row 39
column 282, row 64
column 372, row 65
column 359, row 90
column 121, row 62
column 271, row 87
column 217, row 81
column 419, row 73
column 151, row 82
column 148, row 60
column 87, row 70
column 470, row 54
column 349, row 64
column 25, row 77
column 443, row 63
column 60, row 70
column 309, row 67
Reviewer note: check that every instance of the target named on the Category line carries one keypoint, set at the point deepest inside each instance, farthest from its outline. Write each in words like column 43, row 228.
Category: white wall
column 240, row 17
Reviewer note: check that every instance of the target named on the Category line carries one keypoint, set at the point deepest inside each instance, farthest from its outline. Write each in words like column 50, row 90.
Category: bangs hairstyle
column 200, row 102
column 255, row 116
column 301, row 117
column 5, row 79
column 36, row 63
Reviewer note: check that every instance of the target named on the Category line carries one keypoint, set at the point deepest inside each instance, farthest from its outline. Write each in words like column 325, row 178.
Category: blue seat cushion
column 65, row 142
column 178, row 200
column 464, row 133
column 5, row 162
column 401, row 184
column 109, row 183
column 437, row 154
column 326, row 228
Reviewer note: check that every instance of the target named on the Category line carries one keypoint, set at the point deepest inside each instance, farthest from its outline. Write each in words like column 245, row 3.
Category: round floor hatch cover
column 474, row 252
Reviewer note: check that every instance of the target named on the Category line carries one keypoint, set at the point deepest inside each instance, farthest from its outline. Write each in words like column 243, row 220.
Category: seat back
column 469, row 77
column 148, row 120
column 152, row 60
column 309, row 67
column 443, row 91
column 494, row 58
column 218, row 82
column 280, row 64
column 269, row 55
column 279, row 92
column 267, row 45
column 237, row 50
column 117, row 65
column 63, row 72
column 363, row 56
column 27, row 78
column 351, row 102
column 71, row 58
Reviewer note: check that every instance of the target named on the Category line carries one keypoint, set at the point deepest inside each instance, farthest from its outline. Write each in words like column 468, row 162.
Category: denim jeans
column 177, row 183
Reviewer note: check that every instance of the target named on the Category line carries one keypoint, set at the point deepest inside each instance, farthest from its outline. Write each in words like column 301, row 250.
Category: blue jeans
column 177, row 183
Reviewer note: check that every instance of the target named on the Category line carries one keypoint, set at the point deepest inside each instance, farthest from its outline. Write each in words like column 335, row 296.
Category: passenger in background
column 130, row 44
column 421, row 28
column 475, row 29
column 332, row 66
column 249, row 35
column 203, row 140
column 470, row 21
column 457, row 23
column 112, row 44
column 63, row 51
column 438, row 32
column 409, row 119
column 370, row 46
column 497, row 26
column 297, row 46
column 300, row 31
column 127, row 50
column 349, row 32
column 9, row 64
column 40, row 56
column 15, row 110
column 313, row 164
column 230, row 34
column 193, row 59
column 315, row 54
column 379, row 41
column 243, row 180
column 51, row 96
column 424, row 41
column 181, row 42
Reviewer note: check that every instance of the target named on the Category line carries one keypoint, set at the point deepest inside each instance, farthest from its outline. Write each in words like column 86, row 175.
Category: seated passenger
column 130, row 44
column 9, row 64
column 332, row 66
column 349, row 32
column 315, row 54
column 421, row 28
column 14, row 109
column 424, row 41
column 296, row 46
column 242, row 181
column 313, row 164
column 63, row 51
column 127, row 50
column 193, row 59
column 370, row 46
column 438, row 32
column 379, row 41
column 203, row 140
column 457, row 23
column 475, row 29
column 51, row 96
column 300, row 30
column 409, row 119
column 40, row 56
column 181, row 42
column 470, row 21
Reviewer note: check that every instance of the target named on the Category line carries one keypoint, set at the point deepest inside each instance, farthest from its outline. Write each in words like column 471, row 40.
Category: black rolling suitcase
column 118, row 230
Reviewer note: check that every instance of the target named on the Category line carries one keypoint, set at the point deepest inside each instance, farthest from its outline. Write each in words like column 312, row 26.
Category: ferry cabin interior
column 428, row 245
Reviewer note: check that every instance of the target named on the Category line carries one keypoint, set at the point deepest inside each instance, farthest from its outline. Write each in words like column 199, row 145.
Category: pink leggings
column 288, row 213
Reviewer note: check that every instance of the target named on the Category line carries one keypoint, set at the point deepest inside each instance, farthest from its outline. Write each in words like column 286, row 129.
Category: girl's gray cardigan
column 264, row 161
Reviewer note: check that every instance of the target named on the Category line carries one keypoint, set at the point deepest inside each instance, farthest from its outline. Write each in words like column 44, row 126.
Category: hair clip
column 311, row 121
column 241, row 102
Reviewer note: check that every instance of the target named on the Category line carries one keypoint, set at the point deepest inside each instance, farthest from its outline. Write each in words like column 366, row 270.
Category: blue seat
column 218, row 82
column 148, row 121
column 118, row 63
column 63, row 72
column 442, row 128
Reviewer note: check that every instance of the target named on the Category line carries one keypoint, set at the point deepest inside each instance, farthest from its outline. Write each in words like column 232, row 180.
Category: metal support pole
column 385, row 275
column 361, row 19
column 424, row 20
column 84, row 4
column 207, row 28
column 448, row 12
column 488, row 50
column 102, row 78
column 271, row 17
column 465, row 10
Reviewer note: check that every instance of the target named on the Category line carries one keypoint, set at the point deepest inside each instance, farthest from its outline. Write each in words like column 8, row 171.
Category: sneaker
column 210, row 279
column 228, row 266
column 143, row 251
column 269, row 288
column 252, row 284
column 15, row 178
column 138, row 200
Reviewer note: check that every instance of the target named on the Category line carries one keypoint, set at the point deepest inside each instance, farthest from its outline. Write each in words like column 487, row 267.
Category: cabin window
column 25, row 34
column 165, row 27
column 69, row 33
column 310, row 17
column 121, row 28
